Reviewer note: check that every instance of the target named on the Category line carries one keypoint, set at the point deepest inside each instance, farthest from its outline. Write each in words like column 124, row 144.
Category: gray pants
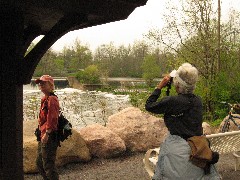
column 46, row 159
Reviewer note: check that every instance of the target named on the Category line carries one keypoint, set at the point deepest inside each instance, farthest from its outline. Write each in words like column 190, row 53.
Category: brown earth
column 126, row 167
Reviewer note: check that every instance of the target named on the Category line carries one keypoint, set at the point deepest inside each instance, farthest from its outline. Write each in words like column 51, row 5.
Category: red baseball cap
column 45, row 78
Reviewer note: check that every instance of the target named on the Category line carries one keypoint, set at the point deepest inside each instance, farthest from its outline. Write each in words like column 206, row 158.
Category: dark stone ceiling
column 44, row 14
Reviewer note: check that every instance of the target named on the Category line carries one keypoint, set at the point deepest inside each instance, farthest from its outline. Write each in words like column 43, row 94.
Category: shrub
column 89, row 76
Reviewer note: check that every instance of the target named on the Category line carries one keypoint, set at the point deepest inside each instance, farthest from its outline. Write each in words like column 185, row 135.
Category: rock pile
column 128, row 130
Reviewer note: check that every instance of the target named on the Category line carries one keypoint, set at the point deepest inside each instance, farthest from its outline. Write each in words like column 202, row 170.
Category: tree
column 121, row 62
column 104, row 57
column 89, row 76
column 140, row 49
column 67, row 56
column 47, row 65
column 150, row 69
column 81, row 58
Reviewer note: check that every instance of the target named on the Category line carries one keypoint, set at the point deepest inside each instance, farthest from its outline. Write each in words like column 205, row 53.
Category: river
column 82, row 108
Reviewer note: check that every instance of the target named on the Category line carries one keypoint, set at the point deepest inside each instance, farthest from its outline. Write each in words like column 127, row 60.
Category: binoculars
column 169, row 86
column 172, row 74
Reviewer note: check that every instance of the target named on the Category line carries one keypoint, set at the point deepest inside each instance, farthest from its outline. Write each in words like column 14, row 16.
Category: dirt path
column 128, row 167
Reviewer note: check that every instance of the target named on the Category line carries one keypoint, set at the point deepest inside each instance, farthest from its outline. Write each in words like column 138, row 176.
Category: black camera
column 38, row 134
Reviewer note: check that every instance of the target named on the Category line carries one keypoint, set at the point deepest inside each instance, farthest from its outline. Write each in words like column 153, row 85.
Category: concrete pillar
column 11, row 90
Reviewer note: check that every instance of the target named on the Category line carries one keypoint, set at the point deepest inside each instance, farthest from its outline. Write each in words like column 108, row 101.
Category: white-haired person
column 47, row 125
column 183, row 118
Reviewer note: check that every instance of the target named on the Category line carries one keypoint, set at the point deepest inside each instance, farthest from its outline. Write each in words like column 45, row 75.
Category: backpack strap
column 46, row 100
column 44, row 104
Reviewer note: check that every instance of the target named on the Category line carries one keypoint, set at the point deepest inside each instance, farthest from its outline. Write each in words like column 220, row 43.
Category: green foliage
column 222, row 87
column 89, row 76
column 138, row 99
column 69, row 61
column 77, row 58
column 150, row 69
column 50, row 64
column 121, row 61
column 215, row 123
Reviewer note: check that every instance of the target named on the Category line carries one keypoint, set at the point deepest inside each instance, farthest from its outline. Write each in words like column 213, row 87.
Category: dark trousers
column 46, row 159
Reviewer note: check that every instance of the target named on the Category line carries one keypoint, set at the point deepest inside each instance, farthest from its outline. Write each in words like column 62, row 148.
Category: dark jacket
column 182, row 113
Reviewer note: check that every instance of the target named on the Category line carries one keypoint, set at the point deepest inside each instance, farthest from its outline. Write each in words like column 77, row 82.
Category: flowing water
column 82, row 108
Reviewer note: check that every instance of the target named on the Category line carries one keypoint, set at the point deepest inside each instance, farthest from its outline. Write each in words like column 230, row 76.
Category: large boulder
column 73, row 149
column 102, row 142
column 140, row 131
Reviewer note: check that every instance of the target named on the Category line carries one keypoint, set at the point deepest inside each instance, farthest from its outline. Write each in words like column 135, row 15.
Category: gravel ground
column 127, row 167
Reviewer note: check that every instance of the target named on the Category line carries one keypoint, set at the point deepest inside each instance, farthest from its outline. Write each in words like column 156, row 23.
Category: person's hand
column 164, row 82
column 45, row 138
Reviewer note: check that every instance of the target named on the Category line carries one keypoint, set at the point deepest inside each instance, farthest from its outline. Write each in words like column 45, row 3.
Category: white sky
column 126, row 31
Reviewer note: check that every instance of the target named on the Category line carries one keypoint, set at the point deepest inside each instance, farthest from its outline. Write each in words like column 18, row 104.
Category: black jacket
column 182, row 113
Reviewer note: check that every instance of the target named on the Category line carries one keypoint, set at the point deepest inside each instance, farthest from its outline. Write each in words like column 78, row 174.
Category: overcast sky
column 126, row 31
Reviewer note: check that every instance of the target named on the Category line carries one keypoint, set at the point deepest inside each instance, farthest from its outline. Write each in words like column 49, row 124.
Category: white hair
column 186, row 78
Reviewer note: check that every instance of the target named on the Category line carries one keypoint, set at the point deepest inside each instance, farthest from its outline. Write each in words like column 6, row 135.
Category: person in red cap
column 47, row 125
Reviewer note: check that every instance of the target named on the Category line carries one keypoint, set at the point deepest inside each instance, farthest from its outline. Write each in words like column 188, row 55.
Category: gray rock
column 140, row 131
column 102, row 142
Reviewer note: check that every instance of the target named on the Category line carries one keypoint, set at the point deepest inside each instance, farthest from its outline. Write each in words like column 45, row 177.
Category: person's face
column 45, row 87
